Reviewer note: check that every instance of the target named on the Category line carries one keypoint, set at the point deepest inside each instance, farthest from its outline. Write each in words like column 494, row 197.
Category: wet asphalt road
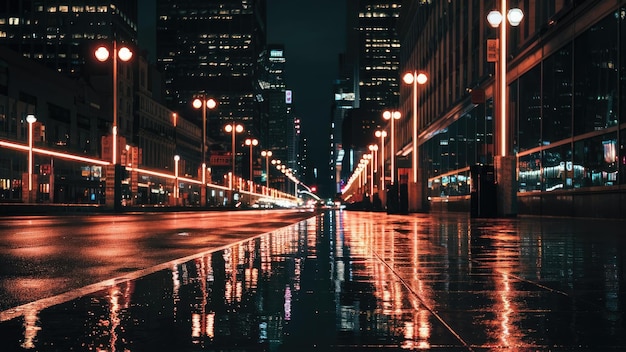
column 42, row 256
column 348, row 281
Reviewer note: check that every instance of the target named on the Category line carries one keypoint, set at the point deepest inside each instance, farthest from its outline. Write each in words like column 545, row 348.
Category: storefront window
column 596, row 161
column 450, row 185
column 529, row 172
column 558, row 168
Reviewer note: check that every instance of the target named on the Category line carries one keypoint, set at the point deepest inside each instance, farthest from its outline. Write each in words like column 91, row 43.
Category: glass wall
column 450, row 153
column 567, row 111
column 568, row 108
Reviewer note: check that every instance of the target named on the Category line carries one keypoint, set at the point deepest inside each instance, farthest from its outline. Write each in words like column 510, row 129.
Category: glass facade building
column 566, row 82
column 212, row 48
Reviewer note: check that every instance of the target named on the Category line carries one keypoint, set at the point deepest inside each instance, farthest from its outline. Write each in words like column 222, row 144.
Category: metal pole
column 382, row 159
column 502, row 101
column 393, row 151
column 250, row 162
column 415, row 126
column 204, row 102
column 114, row 102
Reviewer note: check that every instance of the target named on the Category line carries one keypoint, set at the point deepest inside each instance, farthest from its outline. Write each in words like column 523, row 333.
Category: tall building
column 63, row 37
column 281, row 128
column 565, row 84
column 62, row 34
column 373, row 53
column 279, row 121
column 212, row 48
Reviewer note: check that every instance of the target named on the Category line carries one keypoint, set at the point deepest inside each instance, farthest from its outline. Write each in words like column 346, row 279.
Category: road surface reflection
column 351, row 281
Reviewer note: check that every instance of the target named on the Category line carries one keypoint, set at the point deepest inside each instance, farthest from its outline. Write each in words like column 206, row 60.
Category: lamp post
column 251, row 142
column 496, row 19
column 267, row 154
column 391, row 116
column 277, row 163
column 176, row 190
column 124, row 54
column 369, row 158
column 233, row 129
column 382, row 135
column 374, row 151
column 31, row 119
column 204, row 103
column 414, row 78
column 505, row 165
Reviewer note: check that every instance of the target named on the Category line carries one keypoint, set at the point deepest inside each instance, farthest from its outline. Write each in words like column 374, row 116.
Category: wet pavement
column 358, row 281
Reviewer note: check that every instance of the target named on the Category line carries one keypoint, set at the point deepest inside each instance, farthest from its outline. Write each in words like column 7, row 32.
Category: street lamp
column 415, row 78
column 124, row 54
column 392, row 115
column 277, row 163
column 251, row 142
column 374, row 151
column 369, row 158
column 382, row 135
column 31, row 119
column 267, row 154
column 504, row 165
column 233, row 128
column 176, row 190
column 495, row 18
column 204, row 103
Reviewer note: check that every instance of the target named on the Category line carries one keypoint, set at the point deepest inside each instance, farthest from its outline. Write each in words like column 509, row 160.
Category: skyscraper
column 61, row 34
column 212, row 48
column 373, row 50
column 63, row 37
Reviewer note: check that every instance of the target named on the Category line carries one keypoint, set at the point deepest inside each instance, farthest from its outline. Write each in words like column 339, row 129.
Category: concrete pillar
column 506, row 178
column 415, row 197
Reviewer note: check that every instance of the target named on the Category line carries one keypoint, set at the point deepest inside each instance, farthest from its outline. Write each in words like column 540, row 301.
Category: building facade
column 566, row 85
column 212, row 48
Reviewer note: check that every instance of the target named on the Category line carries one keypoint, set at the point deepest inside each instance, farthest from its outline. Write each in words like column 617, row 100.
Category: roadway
column 44, row 256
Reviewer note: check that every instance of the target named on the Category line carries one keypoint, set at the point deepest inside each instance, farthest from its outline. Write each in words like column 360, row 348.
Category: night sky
column 313, row 33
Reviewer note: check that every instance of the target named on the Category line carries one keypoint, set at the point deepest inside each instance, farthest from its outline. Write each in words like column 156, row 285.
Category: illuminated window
column 14, row 21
